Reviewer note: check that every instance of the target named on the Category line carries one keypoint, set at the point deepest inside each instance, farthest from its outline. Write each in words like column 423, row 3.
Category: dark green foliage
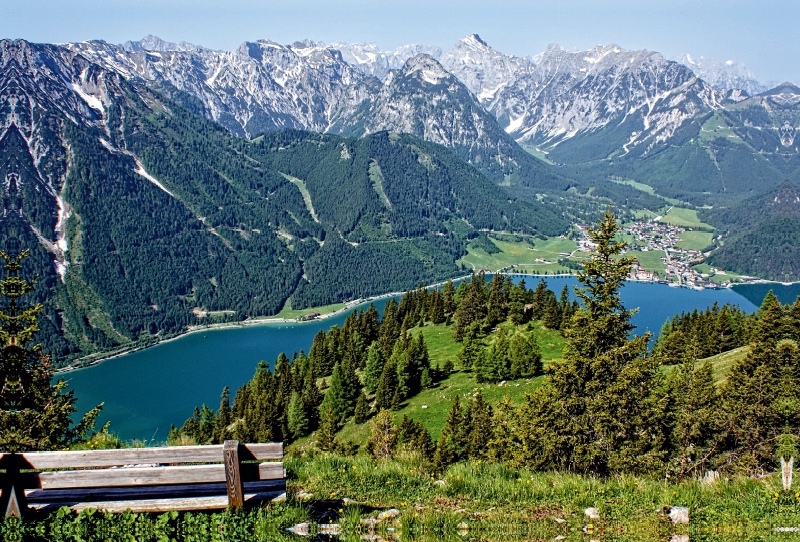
column 758, row 231
column 700, row 334
column 412, row 436
column 35, row 413
column 760, row 395
column 598, row 410
column 694, row 437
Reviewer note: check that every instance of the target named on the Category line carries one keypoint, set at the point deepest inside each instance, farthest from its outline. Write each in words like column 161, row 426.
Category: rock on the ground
column 679, row 514
column 592, row 513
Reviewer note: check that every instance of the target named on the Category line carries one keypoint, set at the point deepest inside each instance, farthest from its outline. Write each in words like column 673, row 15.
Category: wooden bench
column 142, row 479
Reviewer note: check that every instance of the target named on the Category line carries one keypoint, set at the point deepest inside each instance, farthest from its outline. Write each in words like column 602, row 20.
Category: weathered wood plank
column 132, row 456
column 233, row 475
column 39, row 496
column 162, row 505
column 142, row 476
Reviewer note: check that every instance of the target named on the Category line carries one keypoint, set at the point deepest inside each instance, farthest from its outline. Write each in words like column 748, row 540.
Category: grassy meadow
column 523, row 254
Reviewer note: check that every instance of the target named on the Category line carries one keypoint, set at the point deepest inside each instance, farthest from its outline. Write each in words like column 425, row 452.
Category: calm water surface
column 147, row 391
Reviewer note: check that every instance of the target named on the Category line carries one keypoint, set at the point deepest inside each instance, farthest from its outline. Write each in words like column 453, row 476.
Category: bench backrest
column 136, row 467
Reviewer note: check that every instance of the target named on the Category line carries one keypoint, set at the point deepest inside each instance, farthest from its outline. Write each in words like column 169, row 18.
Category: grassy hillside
column 432, row 405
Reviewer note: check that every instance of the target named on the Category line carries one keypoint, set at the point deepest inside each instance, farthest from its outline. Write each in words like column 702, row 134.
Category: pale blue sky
column 762, row 35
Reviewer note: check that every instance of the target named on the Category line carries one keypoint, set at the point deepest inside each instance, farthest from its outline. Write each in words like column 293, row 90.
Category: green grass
column 290, row 313
column 722, row 363
column 694, row 240
column 716, row 127
column 522, row 254
column 486, row 495
column 441, row 347
column 685, row 218
column 532, row 150
column 650, row 260
column 718, row 278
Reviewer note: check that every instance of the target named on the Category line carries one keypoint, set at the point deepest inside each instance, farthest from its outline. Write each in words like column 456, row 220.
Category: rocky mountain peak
column 154, row 43
column 426, row 68
column 728, row 75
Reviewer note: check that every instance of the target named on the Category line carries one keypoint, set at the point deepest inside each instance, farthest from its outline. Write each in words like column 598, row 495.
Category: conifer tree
column 412, row 436
column 361, row 414
column 450, row 447
column 525, row 356
column 598, row 410
column 326, row 434
column 695, row 438
column 480, row 428
column 224, row 420
column 387, row 387
column 297, row 421
column 383, row 436
column 438, row 315
column 472, row 307
column 539, row 300
column 758, row 389
column 35, row 413
column 374, row 368
column 470, row 352
column 498, row 302
column 448, row 297
column 553, row 314
column 311, row 395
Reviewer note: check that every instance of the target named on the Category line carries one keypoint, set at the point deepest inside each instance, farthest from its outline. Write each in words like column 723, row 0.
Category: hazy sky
column 762, row 35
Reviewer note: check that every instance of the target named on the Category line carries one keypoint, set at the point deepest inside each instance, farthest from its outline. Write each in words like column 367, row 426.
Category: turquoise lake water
column 147, row 391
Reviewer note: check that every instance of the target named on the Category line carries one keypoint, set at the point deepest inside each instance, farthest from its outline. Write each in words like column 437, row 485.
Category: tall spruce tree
column 598, row 410
column 35, row 413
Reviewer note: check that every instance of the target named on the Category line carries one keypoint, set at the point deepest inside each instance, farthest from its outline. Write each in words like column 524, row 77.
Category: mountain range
column 163, row 182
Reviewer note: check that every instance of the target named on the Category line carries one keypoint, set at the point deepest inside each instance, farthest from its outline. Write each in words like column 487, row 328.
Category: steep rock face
column 728, row 75
column 482, row 69
column 634, row 97
column 369, row 59
column 427, row 101
column 261, row 86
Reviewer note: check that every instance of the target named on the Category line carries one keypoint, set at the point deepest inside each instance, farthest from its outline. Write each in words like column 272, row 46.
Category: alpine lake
column 147, row 391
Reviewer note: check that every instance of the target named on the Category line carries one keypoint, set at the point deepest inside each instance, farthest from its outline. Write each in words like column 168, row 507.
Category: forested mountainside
column 763, row 232
column 141, row 212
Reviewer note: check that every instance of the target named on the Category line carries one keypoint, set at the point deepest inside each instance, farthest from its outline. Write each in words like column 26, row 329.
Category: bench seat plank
column 160, row 505
column 144, row 476
column 40, row 496
column 129, row 456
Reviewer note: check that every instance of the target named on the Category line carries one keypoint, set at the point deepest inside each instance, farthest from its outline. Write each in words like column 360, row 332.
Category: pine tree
column 312, row 396
column 35, row 413
column 297, row 421
column 450, row 447
column 361, row 414
column 374, row 368
column 525, row 356
column 481, row 429
column 498, row 302
column 383, row 436
column 539, row 300
column 598, row 410
column 412, row 436
column 326, row 434
column 565, row 306
column 472, row 307
column 552, row 312
column 694, row 433
column 438, row 315
column 754, row 397
column 224, row 420
column 471, row 350
column 387, row 387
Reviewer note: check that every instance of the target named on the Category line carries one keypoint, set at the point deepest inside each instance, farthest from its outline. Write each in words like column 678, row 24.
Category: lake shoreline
column 350, row 305
column 257, row 321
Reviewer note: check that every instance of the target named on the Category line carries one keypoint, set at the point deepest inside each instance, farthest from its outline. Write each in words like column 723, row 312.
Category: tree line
column 375, row 362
